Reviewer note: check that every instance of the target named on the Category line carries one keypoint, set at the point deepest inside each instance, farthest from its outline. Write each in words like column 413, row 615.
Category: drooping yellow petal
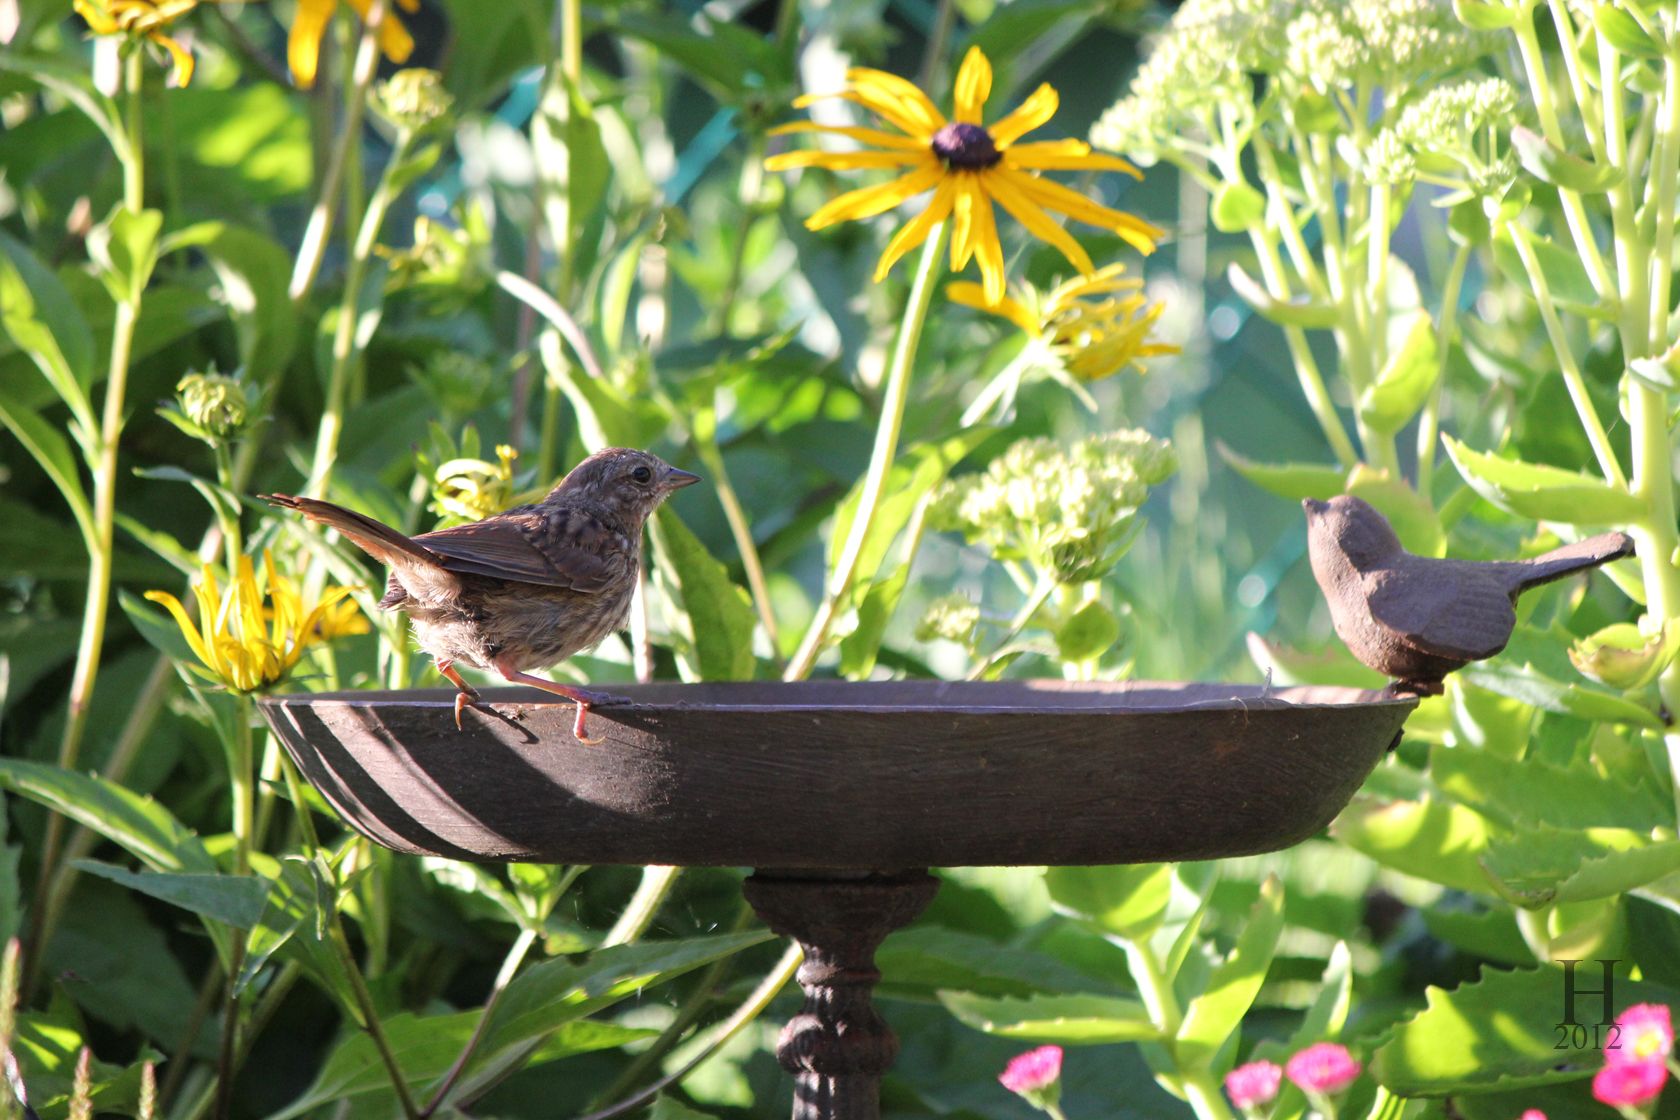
column 1065, row 155
column 303, row 42
column 1136, row 232
column 97, row 18
column 1004, row 186
column 917, row 229
column 866, row 202
column 394, row 40
column 182, row 58
column 969, row 294
column 974, row 86
column 842, row 161
column 873, row 136
column 889, row 109
column 988, row 248
column 1035, row 111
column 962, row 218
column 188, row 630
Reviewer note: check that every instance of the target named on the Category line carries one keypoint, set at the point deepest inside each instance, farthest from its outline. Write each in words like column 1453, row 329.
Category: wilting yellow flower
column 143, row 18
column 303, row 45
column 967, row 166
column 472, row 489
column 243, row 643
column 1097, row 324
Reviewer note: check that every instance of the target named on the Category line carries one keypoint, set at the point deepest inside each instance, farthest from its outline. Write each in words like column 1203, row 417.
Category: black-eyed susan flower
column 303, row 44
column 143, row 19
column 241, row 641
column 968, row 166
column 1097, row 325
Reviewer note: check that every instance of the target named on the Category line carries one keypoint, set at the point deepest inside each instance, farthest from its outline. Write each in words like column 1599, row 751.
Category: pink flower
column 1253, row 1085
column 1630, row 1083
column 1324, row 1068
column 1646, row 1032
column 1533, row 1114
column 1036, row 1076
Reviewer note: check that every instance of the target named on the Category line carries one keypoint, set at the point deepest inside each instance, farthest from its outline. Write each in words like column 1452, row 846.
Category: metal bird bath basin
column 839, row 794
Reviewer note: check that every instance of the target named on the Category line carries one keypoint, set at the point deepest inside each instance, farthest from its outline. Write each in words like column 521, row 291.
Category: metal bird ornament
column 526, row 588
column 1415, row 618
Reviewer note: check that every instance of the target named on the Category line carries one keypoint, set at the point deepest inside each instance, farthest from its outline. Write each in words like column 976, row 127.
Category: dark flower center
column 965, row 147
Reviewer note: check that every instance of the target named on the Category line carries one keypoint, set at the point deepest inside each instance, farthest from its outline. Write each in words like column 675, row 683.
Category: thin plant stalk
column 643, row 906
column 740, row 528
column 894, row 399
column 363, row 69
column 1429, row 420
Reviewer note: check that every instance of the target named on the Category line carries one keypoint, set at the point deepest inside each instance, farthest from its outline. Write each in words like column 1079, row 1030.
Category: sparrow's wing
column 1443, row 609
column 551, row 547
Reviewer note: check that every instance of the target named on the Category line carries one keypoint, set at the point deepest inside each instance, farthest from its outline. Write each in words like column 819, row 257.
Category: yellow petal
column 188, row 630
column 866, row 202
column 917, row 229
column 969, row 294
column 1138, row 233
column 394, row 39
column 303, row 43
column 962, row 218
column 1035, row 111
column 1005, row 187
column 98, row 20
column 974, row 86
column 878, row 89
column 862, row 135
column 986, row 246
column 1065, row 155
column 182, row 57
column 841, row 161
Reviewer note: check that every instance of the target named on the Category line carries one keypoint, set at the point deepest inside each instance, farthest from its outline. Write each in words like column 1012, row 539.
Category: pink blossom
column 1034, row 1071
column 1630, row 1083
column 1533, row 1114
column 1325, row 1068
column 1254, row 1084
column 1646, row 1032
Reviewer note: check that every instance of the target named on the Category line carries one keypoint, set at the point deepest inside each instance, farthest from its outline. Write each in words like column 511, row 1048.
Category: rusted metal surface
column 844, row 775
column 838, row 1047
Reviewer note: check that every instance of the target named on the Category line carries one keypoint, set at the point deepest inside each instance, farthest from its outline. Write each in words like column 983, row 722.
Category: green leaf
column 1545, row 866
column 125, row 247
column 1288, row 480
column 1623, row 32
column 719, row 613
column 1437, row 841
column 1090, row 633
column 42, row 318
column 1328, row 1013
column 1541, row 492
column 1484, row 15
column 860, row 648
column 1553, row 165
column 1075, row 1020
column 234, row 900
column 138, row 825
column 71, row 83
column 1330, row 664
column 50, row 450
column 1128, row 901
column 1237, row 207
column 1215, row 1014
column 915, row 473
column 919, row 962
column 1390, row 402
column 670, row 1108
column 571, row 159
column 1297, row 312
column 252, row 273
column 11, row 887
column 1532, row 791
column 1497, row 1032
column 1532, row 686
column 1566, row 277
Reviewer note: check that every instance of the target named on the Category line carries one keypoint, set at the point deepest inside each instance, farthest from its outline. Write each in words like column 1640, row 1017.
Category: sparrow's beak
column 1313, row 506
column 676, row 480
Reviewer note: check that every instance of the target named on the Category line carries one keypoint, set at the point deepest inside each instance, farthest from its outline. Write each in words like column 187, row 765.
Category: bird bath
column 840, row 795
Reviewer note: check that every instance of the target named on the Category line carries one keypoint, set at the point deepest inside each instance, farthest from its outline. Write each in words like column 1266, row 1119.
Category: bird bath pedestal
column 840, row 795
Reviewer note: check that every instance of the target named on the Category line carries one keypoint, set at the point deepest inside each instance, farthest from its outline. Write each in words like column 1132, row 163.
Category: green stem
column 510, row 965
column 1040, row 595
column 242, row 780
column 362, row 72
column 643, row 906
column 550, row 308
column 1203, row 1095
column 1002, row 387
column 1429, row 423
column 369, row 1016
column 894, row 399
column 1603, row 450
column 344, row 332
column 741, row 530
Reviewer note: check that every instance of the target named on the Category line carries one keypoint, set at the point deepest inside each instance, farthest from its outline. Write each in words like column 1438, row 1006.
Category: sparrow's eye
column 642, row 475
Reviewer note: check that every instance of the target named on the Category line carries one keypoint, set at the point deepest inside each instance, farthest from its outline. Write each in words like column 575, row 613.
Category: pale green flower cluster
column 952, row 617
column 412, row 99
column 1452, row 131
column 1393, row 43
column 1068, row 511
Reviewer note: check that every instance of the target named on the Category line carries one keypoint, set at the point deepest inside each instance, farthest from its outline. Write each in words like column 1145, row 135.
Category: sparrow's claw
column 579, row 732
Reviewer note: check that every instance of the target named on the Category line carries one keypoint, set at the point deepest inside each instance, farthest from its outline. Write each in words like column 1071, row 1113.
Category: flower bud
column 412, row 99
column 1625, row 656
column 1036, row 1077
column 952, row 617
column 213, row 403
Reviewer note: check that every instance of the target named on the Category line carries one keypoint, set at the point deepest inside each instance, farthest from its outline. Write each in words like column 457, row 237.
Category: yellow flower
column 471, row 489
column 145, row 19
column 1097, row 324
column 967, row 166
column 231, row 639
column 303, row 45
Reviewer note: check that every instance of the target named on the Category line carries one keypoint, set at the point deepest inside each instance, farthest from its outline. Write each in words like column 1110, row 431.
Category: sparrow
column 525, row 588
column 1415, row 618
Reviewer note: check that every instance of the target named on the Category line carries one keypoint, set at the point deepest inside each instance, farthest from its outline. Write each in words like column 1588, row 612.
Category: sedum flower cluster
column 1068, row 511
column 953, row 617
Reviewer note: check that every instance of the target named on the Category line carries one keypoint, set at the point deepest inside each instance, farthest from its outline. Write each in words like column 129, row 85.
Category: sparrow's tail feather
column 375, row 538
column 1571, row 558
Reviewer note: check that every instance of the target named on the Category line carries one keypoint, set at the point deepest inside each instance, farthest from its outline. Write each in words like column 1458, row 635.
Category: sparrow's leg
column 467, row 695
column 581, row 697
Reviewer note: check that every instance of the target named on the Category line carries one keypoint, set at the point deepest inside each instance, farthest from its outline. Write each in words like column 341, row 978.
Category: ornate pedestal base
column 838, row 1047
